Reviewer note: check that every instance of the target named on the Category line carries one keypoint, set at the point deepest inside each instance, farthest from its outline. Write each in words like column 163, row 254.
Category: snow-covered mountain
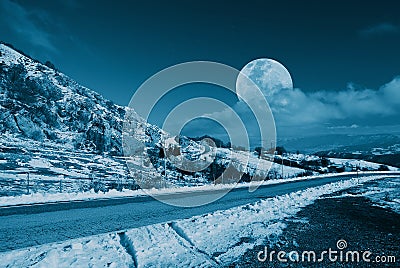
column 50, row 126
column 42, row 104
column 58, row 135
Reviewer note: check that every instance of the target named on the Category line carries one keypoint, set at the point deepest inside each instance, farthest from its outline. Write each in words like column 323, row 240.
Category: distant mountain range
column 312, row 144
column 380, row 148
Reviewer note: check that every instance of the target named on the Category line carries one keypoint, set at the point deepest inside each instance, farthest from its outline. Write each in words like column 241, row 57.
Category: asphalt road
column 25, row 226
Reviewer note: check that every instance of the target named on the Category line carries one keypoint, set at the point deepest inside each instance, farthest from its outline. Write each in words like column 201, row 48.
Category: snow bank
column 229, row 234
column 214, row 239
column 95, row 251
column 35, row 198
column 384, row 193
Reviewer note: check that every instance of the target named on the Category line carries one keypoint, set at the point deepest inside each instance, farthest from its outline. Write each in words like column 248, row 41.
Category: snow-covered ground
column 257, row 166
column 214, row 239
column 346, row 163
column 384, row 193
column 73, row 196
column 34, row 198
column 48, row 164
column 53, row 169
column 361, row 164
column 393, row 149
column 96, row 251
column 301, row 157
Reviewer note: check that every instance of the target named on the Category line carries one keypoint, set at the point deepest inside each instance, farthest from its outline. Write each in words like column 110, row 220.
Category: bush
column 258, row 150
column 383, row 168
column 50, row 65
column 97, row 186
column 280, row 150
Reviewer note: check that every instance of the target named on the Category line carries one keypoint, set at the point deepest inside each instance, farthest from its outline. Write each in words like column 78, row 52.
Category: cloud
column 295, row 107
column 380, row 29
column 353, row 126
column 26, row 24
column 298, row 112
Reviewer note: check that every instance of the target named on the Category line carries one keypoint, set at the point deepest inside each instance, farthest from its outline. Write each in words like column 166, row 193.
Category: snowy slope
column 360, row 164
column 42, row 104
column 68, row 138
column 59, row 136
column 51, row 126
column 212, row 240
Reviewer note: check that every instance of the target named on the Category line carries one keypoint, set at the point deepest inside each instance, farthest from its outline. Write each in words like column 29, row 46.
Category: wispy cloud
column 380, row 29
column 26, row 24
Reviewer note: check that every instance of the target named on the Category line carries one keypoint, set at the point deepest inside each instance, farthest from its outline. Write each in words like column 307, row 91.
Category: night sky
column 114, row 46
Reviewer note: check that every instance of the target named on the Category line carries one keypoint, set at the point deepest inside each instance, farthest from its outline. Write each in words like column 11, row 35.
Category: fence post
column 61, row 177
column 27, row 185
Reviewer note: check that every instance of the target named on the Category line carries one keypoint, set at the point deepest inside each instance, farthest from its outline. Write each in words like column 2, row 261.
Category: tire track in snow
column 129, row 248
column 160, row 245
column 182, row 235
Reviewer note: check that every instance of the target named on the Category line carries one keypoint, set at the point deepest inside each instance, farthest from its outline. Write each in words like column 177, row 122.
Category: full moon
column 268, row 75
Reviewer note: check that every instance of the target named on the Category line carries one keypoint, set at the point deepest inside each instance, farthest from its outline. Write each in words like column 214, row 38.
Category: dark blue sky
column 114, row 46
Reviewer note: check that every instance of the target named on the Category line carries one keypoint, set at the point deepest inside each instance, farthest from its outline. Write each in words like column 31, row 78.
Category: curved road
column 25, row 226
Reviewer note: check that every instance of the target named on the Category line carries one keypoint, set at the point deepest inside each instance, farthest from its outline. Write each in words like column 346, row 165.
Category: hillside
column 57, row 135
column 53, row 129
column 42, row 104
